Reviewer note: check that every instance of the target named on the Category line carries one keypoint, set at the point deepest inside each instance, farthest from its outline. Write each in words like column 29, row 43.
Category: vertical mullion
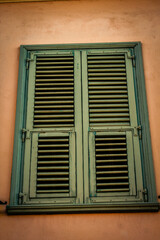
column 78, row 124
column 85, row 125
column 29, row 124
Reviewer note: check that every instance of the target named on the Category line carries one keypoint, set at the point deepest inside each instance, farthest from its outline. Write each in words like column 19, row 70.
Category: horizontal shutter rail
column 111, row 155
column 117, row 148
column 108, row 96
column 52, row 174
column 53, row 75
column 48, row 63
column 54, row 126
column 109, row 115
column 53, row 191
column 55, row 168
column 55, row 67
column 53, row 185
column 54, row 84
column 106, row 66
column 53, row 179
column 52, row 162
column 111, row 172
column 68, row 58
column 100, row 120
column 114, row 166
column 112, row 184
column 55, row 89
column 106, row 74
column 53, row 93
column 54, row 80
column 111, row 161
column 109, row 144
column 54, row 102
column 54, row 116
column 108, row 91
column 54, row 145
column 108, row 104
column 120, row 78
column 115, row 111
column 61, row 71
column 106, row 70
column 53, row 150
column 53, row 156
column 111, row 178
column 106, row 57
column 113, row 190
column 106, row 83
column 92, row 88
column 54, row 121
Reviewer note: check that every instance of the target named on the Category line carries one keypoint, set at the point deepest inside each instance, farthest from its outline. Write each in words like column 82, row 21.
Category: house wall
column 76, row 22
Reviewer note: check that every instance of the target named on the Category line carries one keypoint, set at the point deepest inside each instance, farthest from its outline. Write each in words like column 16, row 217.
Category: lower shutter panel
column 53, row 165
column 111, row 164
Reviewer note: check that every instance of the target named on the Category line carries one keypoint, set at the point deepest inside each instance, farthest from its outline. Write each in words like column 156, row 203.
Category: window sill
column 103, row 208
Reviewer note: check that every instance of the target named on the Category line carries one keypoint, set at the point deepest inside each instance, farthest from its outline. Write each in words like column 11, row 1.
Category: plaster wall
column 76, row 22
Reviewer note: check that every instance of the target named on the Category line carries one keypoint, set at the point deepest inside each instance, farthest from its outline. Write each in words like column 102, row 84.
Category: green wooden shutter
column 110, row 126
column 52, row 126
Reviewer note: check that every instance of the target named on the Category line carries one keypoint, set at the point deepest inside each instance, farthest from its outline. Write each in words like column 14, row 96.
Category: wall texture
column 76, row 22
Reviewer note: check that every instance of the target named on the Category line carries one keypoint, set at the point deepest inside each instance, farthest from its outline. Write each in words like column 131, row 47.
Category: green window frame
column 82, row 140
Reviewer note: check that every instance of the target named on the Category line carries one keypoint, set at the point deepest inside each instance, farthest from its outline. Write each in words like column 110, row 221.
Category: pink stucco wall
column 76, row 22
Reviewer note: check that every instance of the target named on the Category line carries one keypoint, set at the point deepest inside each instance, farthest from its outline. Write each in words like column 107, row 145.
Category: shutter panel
column 108, row 93
column 49, row 165
column 110, row 122
column 112, row 165
column 54, row 92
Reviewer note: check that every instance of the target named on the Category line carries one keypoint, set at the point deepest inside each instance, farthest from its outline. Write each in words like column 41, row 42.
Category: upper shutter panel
column 54, row 92
column 108, row 93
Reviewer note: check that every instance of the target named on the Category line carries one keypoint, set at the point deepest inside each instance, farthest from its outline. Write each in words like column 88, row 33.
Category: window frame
column 150, row 197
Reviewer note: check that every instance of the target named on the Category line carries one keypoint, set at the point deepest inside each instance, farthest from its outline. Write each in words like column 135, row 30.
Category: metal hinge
column 3, row 203
column 25, row 134
column 133, row 57
column 22, row 197
column 28, row 60
column 145, row 194
column 138, row 131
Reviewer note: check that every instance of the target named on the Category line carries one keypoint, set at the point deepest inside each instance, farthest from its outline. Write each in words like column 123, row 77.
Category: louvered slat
column 111, row 164
column 53, row 165
column 54, row 92
column 108, row 93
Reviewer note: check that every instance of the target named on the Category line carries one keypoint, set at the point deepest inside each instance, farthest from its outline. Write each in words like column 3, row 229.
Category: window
column 82, row 139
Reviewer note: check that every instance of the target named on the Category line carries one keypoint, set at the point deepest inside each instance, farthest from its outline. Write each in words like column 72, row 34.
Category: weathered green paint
column 101, row 208
column 17, row 165
column 80, row 188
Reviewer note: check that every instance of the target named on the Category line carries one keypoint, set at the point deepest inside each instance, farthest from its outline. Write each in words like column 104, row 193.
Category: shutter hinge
column 25, row 134
column 138, row 131
column 22, row 197
column 133, row 57
column 28, row 60
column 145, row 194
